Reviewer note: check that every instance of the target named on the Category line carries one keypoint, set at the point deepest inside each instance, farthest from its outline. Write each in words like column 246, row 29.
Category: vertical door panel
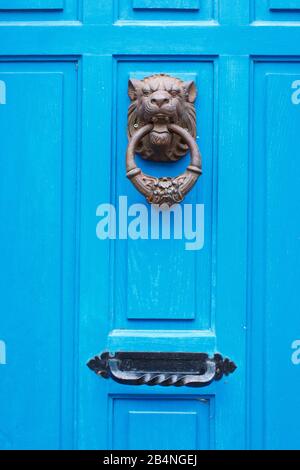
column 146, row 271
column 275, row 246
column 38, row 203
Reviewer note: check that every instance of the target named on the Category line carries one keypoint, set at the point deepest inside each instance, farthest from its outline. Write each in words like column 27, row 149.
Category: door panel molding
column 166, row 4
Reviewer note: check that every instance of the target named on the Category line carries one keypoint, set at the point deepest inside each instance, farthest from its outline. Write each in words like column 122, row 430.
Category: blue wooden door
column 68, row 293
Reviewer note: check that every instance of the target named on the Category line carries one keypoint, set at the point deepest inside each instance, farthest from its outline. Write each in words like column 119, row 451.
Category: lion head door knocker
column 162, row 128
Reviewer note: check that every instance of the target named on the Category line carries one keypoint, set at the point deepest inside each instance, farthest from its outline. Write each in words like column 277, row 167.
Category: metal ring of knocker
column 166, row 189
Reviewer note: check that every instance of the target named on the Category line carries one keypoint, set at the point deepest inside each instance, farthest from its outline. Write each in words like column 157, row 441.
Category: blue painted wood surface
column 66, row 295
column 31, row 4
column 284, row 5
column 166, row 4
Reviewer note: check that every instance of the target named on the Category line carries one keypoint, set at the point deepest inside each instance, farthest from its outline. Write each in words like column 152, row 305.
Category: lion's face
column 161, row 99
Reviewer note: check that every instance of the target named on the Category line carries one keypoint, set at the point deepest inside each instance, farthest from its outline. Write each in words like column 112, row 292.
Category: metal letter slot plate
column 160, row 368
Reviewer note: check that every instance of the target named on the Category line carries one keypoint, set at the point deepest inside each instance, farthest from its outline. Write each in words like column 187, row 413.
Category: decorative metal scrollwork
column 162, row 128
column 154, row 368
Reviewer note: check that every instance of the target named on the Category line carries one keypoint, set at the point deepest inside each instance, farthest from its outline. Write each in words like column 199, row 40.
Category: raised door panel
column 162, row 422
column 38, row 10
column 284, row 5
column 38, row 207
column 166, row 10
column 31, row 4
column 276, row 10
column 164, row 284
column 275, row 201
column 166, row 4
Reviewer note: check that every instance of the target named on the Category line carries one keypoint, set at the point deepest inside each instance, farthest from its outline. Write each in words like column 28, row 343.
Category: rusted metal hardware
column 162, row 128
column 155, row 368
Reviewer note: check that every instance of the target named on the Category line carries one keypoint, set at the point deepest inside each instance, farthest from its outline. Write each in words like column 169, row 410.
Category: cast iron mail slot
column 160, row 368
